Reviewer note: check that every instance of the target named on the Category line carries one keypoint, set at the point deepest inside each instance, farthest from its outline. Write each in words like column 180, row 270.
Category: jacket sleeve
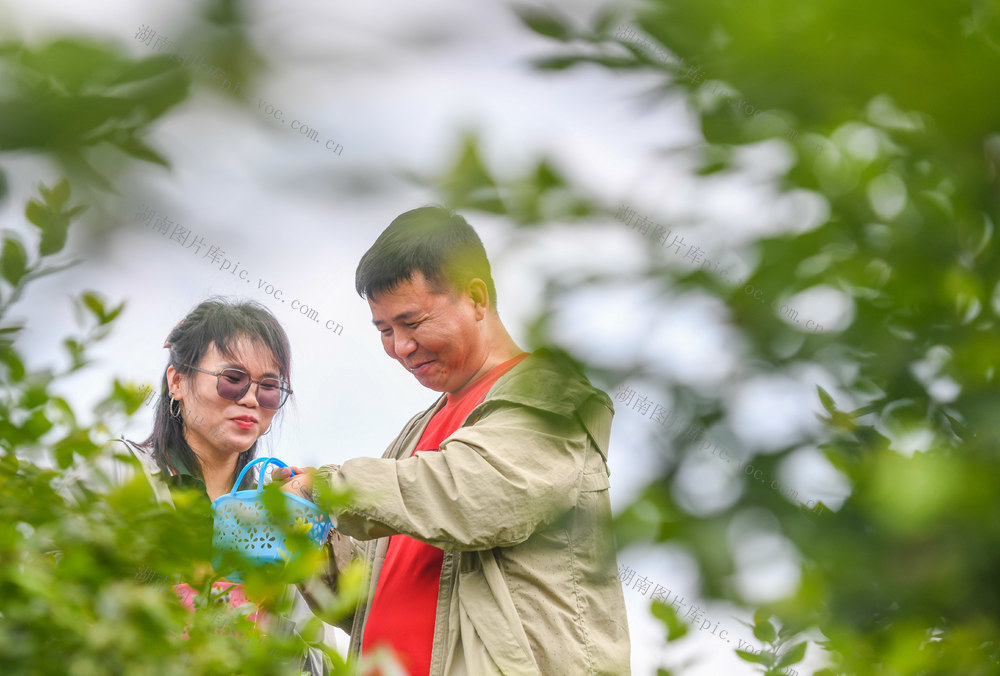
column 492, row 484
column 339, row 551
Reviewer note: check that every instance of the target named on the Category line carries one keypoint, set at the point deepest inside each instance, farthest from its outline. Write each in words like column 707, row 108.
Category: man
column 486, row 525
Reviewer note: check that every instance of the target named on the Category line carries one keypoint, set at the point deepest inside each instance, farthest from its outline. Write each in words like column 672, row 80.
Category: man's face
column 436, row 336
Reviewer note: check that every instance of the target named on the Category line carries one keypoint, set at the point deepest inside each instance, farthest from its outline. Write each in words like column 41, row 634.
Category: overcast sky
column 394, row 85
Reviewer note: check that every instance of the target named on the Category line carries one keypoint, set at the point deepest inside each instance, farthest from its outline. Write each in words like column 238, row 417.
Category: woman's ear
column 174, row 383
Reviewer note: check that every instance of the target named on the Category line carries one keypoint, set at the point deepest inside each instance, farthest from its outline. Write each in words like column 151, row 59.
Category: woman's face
column 217, row 426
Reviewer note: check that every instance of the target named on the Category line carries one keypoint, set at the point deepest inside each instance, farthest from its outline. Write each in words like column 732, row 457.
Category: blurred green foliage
column 79, row 554
column 890, row 113
column 87, row 567
column 90, row 107
column 72, row 98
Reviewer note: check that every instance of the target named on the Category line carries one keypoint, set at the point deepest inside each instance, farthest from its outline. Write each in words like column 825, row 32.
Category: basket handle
column 266, row 461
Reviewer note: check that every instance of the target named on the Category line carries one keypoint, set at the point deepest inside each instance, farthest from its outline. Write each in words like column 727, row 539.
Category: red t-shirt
column 405, row 603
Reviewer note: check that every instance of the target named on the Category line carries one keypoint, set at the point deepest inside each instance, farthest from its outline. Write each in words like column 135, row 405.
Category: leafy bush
column 87, row 569
column 884, row 114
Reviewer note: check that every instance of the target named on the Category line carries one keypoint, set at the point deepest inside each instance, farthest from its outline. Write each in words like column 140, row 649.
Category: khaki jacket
column 518, row 500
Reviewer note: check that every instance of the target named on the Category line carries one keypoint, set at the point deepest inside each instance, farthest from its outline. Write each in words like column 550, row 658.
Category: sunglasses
column 233, row 383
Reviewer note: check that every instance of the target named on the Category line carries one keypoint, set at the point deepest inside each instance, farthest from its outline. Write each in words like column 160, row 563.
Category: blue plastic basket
column 244, row 525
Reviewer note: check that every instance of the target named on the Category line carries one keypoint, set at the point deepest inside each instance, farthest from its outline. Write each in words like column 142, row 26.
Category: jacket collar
column 546, row 380
column 549, row 381
column 175, row 468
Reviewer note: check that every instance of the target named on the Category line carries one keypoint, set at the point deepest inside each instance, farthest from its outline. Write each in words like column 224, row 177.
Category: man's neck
column 493, row 359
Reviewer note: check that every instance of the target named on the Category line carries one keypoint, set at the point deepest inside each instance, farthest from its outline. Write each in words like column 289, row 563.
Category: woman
column 227, row 377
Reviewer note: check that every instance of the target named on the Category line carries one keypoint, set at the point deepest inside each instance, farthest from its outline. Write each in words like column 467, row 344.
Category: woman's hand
column 300, row 484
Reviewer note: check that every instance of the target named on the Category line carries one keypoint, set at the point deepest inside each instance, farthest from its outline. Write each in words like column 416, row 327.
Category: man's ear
column 480, row 295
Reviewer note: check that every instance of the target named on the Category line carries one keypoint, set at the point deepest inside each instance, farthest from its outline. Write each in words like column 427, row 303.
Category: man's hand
column 300, row 484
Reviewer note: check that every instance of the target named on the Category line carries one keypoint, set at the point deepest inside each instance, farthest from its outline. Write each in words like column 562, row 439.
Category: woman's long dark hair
column 220, row 322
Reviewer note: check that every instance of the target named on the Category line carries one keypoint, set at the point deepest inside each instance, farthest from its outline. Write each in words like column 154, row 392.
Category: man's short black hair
column 434, row 240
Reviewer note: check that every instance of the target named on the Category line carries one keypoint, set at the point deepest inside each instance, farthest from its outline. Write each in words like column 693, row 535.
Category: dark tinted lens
column 269, row 393
column 233, row 384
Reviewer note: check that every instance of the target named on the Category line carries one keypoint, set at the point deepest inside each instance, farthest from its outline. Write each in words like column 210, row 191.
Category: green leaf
column 93, row 303
column 547, row 177
column 76, row 443
column 545, row 23
column 60, row 195
column 756, row 658
column 53, row 223
column 826, row 400
column 676, row 628
column 14, row 260
column 75, row 349
column 557, row 62
column 57, row 196
column 147, row 69
column 713, row 167
column 137, row 148
column 77, row 163
column 9, row 333
column 792, row 655
column 468, row 183
column 563, row 62
column 762, row 628
column 54, row 235
column 606, row 18
column 64, row 455
column 62, row 411
column 37, row 213
column 765, row 632
column 36, row 394
column 791, row 628
column 15, row 367
column 36, row 425
column 113, row 314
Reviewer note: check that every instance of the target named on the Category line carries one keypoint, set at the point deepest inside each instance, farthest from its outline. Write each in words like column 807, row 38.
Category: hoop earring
column 170, row 407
